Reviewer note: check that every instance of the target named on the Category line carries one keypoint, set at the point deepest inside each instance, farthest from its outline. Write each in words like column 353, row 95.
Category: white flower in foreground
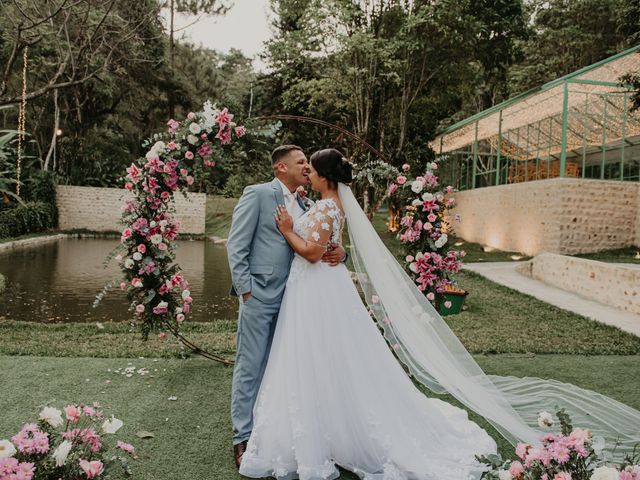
column 417, row 186
column 192, row 139
column 428, row 196
column 61, row 453
column 195, row 128
column 186, row 294
column 504, row 475
column 128, row 263
column 162, row 305
column 605, row 473
column 416, row 202
column 112, row 425
column 545, row 419
column 156, row 239
column 52, row 416
column 6, row 449
column 137, row 256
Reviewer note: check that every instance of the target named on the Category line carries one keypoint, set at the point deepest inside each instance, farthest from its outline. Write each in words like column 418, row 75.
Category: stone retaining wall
column 617, row 285
column 559, row 215
column 100, row 209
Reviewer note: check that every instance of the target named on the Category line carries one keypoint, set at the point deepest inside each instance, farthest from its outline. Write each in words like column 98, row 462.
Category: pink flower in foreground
column 240, row 131
column 73, row 413
column 406, row 167
column 162, row 335
column 562, row 476
column 180, row 318
column 142, row 248
column 127, row 447
column 188, row 155
column 521, row 450
column 24, row 471
column 392, row 189
column 91, row 469
column 140, row 308
column 401, row 179
column 516, row 469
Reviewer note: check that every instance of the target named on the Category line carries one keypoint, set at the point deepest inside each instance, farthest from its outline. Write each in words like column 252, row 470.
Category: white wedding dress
column 334, row 394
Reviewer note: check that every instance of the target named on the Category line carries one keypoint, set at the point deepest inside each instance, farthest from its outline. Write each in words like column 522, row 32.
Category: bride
column 334, row 394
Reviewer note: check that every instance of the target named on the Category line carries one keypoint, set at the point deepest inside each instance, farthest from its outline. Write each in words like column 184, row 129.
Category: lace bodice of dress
column 321, row 224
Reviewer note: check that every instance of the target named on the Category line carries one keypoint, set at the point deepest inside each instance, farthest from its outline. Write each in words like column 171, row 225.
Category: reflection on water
column 58, row 282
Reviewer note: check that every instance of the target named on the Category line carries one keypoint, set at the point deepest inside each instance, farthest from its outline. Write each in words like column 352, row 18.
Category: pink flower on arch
column 173, row 126
column 224, row 135
column 401, row 179
column 240, row 131
column 223, row 119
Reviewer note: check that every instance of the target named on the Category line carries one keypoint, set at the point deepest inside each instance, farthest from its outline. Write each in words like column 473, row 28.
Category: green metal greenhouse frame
column 578, row 125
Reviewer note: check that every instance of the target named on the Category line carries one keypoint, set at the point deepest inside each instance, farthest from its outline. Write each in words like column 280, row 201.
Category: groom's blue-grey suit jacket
column 259, row 256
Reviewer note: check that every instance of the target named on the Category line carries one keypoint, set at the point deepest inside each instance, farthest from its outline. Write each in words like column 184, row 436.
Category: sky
column 246, row 26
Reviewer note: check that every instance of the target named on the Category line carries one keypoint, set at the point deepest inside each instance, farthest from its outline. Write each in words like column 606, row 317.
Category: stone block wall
column 100, row 209
column 559, row 215
column 609, row 283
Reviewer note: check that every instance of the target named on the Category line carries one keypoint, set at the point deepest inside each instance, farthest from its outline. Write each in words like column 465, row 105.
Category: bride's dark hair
column 331, row 164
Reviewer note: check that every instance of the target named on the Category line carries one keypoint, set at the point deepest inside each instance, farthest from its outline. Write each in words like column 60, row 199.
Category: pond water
column 58, row 282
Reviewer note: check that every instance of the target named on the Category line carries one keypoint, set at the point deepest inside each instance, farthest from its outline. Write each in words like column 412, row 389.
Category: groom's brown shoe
column 238, row 451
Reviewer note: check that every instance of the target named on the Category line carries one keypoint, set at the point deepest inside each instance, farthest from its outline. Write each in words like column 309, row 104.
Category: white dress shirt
column 291, row 201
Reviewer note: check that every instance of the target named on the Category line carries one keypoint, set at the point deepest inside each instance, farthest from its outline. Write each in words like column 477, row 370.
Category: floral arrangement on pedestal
column 425, row 227
column 571, row 454
column 156, row 288
column 69, row 447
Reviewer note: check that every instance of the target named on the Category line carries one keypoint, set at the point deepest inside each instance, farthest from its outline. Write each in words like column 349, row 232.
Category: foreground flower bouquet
column 571, row 454
column 69, row 447
column 424, row 231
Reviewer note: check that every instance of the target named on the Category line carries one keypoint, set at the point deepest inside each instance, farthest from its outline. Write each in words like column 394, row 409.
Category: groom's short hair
column 282, row 151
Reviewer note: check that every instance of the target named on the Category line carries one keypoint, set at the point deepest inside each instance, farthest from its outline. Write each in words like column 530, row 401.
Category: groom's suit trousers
column 256, row 324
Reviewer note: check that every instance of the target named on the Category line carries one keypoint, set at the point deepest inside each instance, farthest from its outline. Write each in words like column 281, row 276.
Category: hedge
column 29, row 218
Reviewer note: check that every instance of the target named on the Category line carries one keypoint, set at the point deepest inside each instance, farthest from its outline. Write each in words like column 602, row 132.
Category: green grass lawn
column 192, row 435
column 509, row 334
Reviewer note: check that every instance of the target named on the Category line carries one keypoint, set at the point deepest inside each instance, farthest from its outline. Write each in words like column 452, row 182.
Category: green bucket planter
column 457, row 301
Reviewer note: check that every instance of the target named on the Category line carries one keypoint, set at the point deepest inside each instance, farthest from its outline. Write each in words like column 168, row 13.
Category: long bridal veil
column 437, row 359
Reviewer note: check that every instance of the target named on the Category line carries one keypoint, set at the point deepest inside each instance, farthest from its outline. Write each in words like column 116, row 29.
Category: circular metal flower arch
column 156, row 288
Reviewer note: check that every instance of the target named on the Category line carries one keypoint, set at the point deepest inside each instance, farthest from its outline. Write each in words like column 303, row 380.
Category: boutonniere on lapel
column 302, row 194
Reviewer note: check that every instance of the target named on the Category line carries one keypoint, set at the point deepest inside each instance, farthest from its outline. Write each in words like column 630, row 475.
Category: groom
column 260, row 258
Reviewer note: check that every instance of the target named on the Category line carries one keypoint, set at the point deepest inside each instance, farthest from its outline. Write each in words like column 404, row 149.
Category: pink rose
column 406, row 167
column 180, row 318
column 188, row 155
column 431, row 297
column 432, row 217
column 434, row 165
column 140, row 308
column 203, row 136
column 128, row 186
column 393, row 188
column 401, row 180
column 72, row 413
column 142, row 248
column 136, row 282
column 191, row 115
column 183, row 171
column 189, row 180
column 162, row 335
column 240, row 131
column 165, row 195
column 91, row 469
column 409, row 258
column 449, row 189
column 171, row 145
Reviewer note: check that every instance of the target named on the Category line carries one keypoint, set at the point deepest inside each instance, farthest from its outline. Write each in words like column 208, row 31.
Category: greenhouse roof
column 543, row 102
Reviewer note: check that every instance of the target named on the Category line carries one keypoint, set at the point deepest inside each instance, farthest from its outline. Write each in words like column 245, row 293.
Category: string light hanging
column 21, row 119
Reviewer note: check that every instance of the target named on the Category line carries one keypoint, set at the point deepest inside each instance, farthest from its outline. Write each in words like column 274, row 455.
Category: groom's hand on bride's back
column 334, row 255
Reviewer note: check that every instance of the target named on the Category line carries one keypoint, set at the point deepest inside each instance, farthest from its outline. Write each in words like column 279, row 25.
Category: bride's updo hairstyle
column 331, row 164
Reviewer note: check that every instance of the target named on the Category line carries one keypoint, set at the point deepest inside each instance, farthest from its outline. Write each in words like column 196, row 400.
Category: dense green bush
column 28, row 218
